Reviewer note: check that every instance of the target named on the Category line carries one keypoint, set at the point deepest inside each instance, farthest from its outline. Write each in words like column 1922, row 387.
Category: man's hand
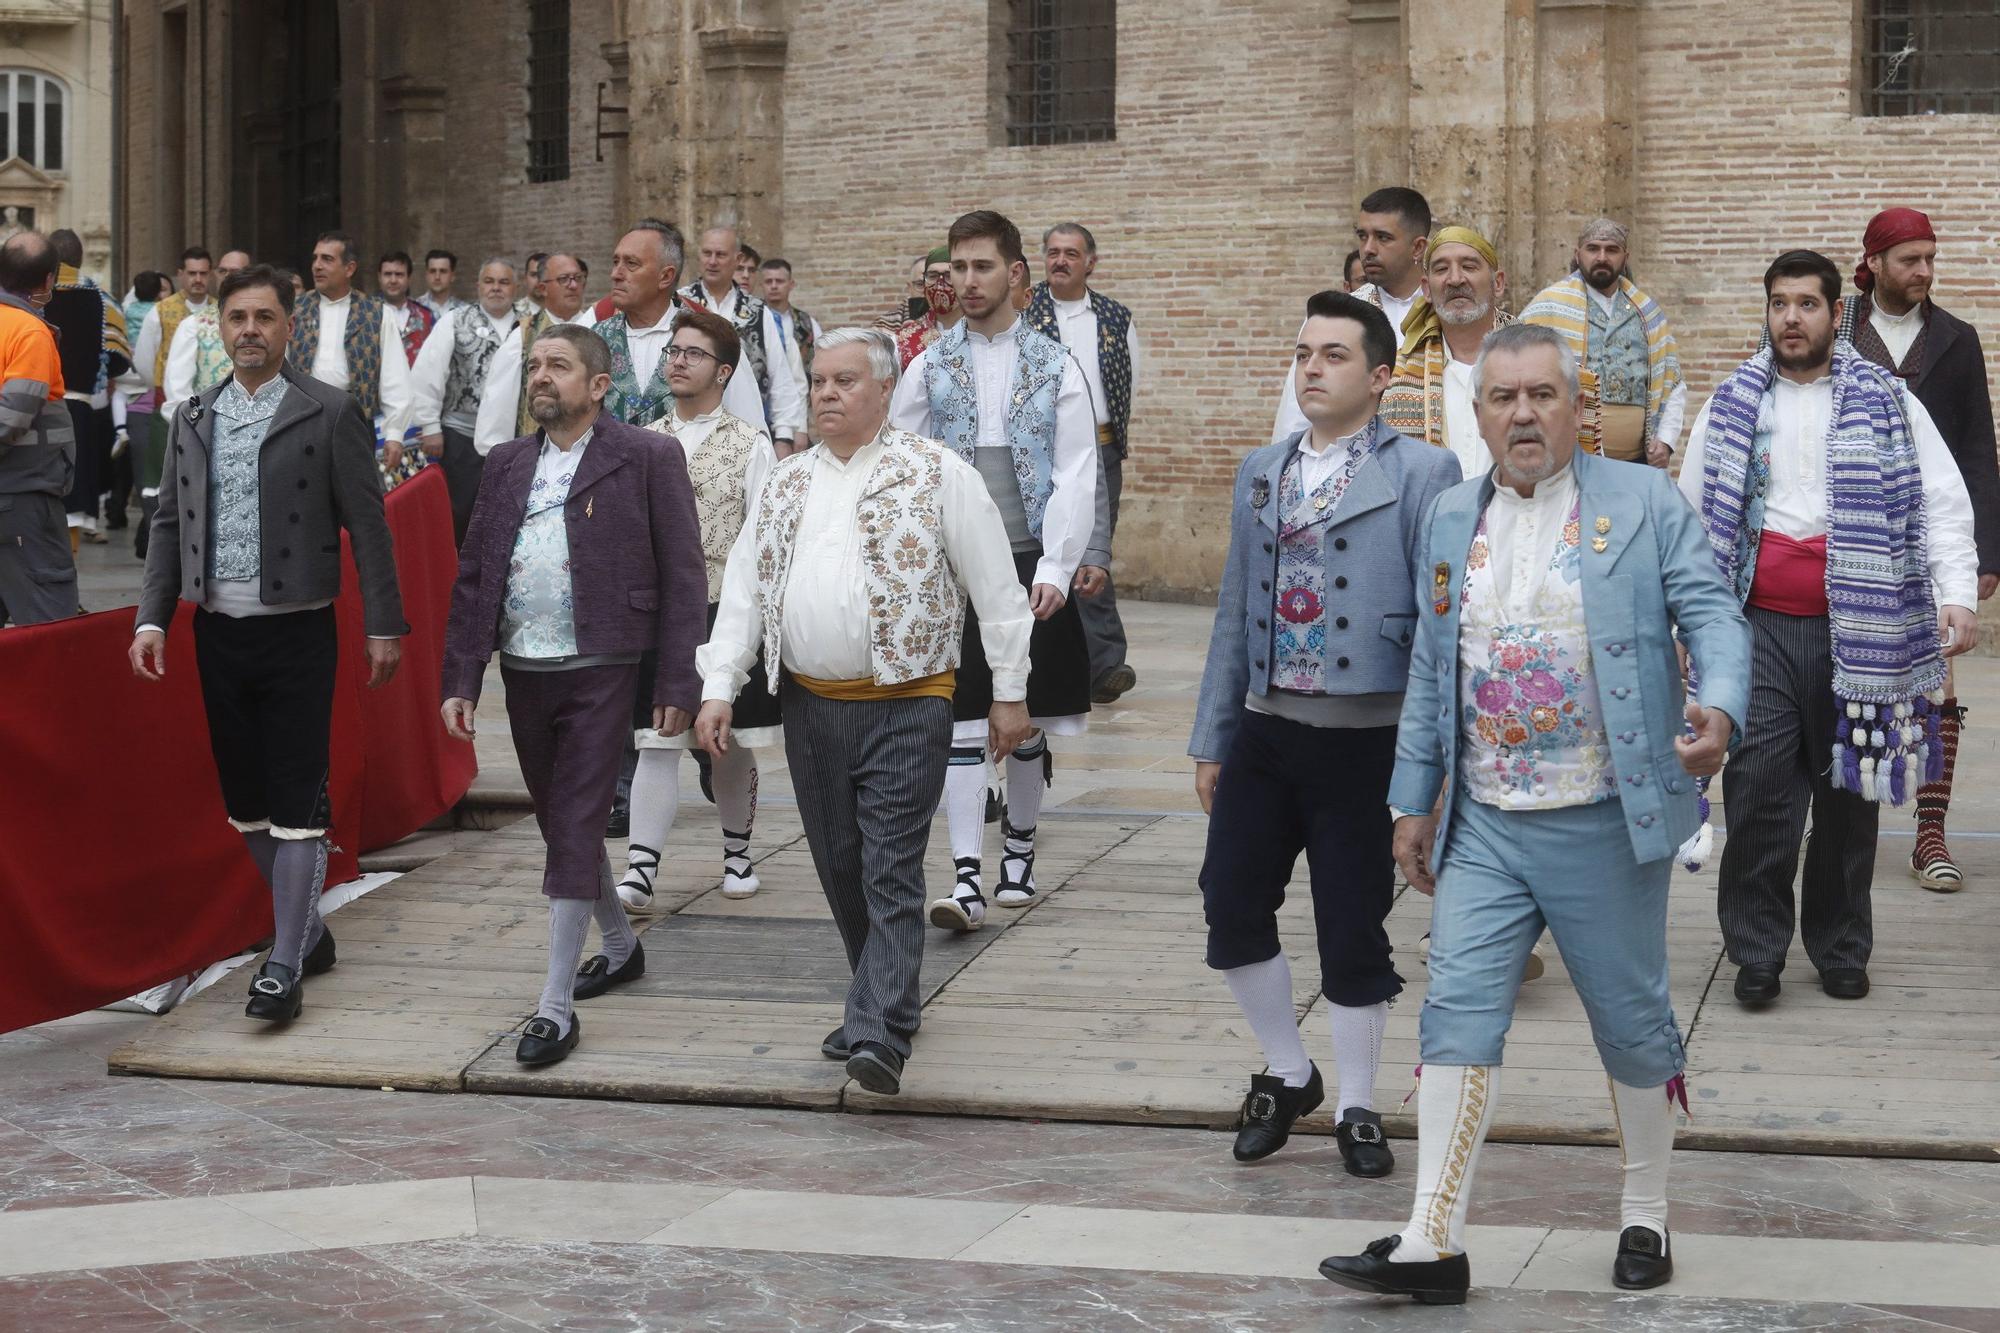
column 1702, row 753
column 1987, row 583
column 669, row 721
column 1090, row 579
column 433, row 444
column 148, row 655
column 1205, row 774
column 711, row 727
column 1658, row 454
column 1958, row 630
column 1007, row 726
column 458, row 719
column 1045, row 599
column 1412, row 844
column 392, row 455
column 384, row 656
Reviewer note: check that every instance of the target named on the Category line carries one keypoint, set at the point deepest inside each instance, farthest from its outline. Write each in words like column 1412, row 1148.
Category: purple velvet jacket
column 634, row 557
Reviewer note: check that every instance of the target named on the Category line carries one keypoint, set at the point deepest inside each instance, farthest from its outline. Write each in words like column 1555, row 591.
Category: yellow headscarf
column 1422, row 322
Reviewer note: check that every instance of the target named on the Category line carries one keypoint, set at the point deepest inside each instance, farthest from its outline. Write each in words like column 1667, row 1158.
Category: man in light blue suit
column 1546, row 694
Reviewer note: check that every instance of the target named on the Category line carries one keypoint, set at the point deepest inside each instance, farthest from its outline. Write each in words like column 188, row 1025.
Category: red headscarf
column 1891, row 227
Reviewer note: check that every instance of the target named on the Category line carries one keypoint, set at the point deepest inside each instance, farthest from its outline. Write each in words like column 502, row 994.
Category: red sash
column 1791, row 575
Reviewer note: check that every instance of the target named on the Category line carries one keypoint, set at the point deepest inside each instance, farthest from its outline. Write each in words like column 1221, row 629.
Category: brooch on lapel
column 1598, row 543
column 1260, row 492
column 590, row 506
column 1441, row 585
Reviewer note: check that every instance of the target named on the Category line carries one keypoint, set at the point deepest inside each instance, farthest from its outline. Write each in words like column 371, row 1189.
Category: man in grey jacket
column 262, row 473
column 1295, row 731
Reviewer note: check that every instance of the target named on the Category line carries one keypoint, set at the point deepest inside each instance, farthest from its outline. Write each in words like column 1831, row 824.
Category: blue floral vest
column 1030, row 429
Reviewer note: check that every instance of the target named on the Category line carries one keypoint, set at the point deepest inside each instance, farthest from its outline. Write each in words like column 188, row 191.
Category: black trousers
column 463, row 467
column 1287, row 788
column 1782, row 769
column 267, row 682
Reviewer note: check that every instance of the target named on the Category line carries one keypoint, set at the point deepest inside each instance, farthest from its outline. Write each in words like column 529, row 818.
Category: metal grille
column 1062, row 71
column 1930, row 57
column 548, row 90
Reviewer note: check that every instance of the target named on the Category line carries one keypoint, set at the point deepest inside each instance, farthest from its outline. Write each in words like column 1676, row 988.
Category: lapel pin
column 1599, row 545
column 590, row 506
column 1260, row 493
column 1603, row 525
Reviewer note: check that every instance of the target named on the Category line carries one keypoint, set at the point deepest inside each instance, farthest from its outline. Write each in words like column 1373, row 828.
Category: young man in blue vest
column 1099, row 331
column 1015, row 404
column 1295, row 731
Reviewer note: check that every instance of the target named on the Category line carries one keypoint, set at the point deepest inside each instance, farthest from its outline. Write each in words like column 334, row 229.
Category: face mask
column 918, row 306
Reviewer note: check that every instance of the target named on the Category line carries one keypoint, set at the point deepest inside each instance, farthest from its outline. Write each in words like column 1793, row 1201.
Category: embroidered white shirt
column 1315, row 466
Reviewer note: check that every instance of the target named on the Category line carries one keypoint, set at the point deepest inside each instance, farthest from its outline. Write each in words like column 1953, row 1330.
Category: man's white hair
column 1519, row 337
column 881, row 348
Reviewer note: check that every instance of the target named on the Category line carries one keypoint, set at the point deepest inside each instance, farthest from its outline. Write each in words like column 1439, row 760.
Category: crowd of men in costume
column 1468, row 625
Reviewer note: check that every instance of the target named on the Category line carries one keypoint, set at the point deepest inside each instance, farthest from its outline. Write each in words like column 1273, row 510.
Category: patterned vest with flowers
column 1030, row 428
column 721, row 499
column 916, row 605
column 362, row 341
column 1532, row 723
column 1298, row 642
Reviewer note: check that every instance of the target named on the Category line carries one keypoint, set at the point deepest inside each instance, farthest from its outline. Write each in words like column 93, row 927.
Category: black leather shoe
column 1270, row 1111
column 835, row 1046
column 1643, row 1260
column 1439, row 1282
column 539, row 1044
column 1844, row 983
column 322, row 957
column 1362, row 1146
column 876, row 1068
column 619, row 825
column 1757, row 984
column 275, row 994
column 596, row 976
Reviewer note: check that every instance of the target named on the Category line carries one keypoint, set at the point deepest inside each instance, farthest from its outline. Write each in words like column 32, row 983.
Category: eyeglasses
column 567, row 279
column 696, row 355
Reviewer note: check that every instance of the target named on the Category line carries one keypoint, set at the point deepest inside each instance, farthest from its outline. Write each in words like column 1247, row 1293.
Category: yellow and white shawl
column 1565, row 307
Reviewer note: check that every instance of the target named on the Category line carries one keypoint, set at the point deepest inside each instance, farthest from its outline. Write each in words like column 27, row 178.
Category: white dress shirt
column 1315, row 466
column 781, row 344
column 648, row 345
column 330, row 361
column 1795, row 504
column 499, row 401
column 1461, row 419
column 147, row 349
column 826, row 632
column 1078, row 323
column 1521, row 533
column 177, row 385
column 1071, row 513
column 1897, row 332
column 1290, row 420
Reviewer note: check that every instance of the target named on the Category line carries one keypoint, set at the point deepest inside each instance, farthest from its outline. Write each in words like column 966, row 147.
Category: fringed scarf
column 1887, row 671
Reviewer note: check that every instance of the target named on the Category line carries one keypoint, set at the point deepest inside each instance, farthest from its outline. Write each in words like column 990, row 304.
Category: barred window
column 548, row 90
column 31, row 118
column 1930, row 57
column 1062, row 67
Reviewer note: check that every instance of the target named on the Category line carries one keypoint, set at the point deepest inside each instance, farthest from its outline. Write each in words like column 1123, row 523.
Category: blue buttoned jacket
column 1368, row 543
column 1654, row 575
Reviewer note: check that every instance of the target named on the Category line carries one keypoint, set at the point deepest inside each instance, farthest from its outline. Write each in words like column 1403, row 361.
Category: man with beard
column 1391, row 231
column 584, row 556
column 1545, row 689
column 1897, row 326
column 1839, row 519
column 1622, row 336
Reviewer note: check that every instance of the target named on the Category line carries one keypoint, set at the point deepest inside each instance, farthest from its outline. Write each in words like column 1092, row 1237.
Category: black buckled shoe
column 876, row 1068
column 1844, row 983
column 275, row 994
column 540, row 1043
column 322, row 957
column 1270, row 1111
column 1643, row 1261
column 1362, row 1145
column 596, row 976
column 1757, row 984
column 835, row 1046
column 1442, row 1281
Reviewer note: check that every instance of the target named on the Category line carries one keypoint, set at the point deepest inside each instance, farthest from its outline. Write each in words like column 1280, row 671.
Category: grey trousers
column 37, row 572
column 1102, row 627
column 868, row 776
column 1779, row 771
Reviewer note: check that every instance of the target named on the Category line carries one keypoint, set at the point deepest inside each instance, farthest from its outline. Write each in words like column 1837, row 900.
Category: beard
column 1601, row 276
column 1818, row 349
column 1462, row 306
column 549, row 410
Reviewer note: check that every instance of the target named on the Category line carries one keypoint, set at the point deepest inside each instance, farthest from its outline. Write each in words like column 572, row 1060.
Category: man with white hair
column 852, row 573
column 466, row 401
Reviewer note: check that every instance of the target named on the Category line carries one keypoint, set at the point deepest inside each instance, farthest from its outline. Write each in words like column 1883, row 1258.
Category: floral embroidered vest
column 416, row 327
column 1533, row 726
column 720, row 496
column 633, row 403
column 1298, row 643
column 1114, row 351
column 362, row 341
column 1030, row 428
column 916, row 605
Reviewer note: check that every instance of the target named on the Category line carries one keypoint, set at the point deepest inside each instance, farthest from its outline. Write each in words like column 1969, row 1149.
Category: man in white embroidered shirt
column 852, row 575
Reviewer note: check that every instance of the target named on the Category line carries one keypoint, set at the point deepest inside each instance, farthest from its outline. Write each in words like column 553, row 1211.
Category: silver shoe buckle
column 1263, row 1106
column 1366, row 1133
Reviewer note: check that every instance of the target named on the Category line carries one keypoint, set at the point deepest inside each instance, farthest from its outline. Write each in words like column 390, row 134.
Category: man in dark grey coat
column 262, row 473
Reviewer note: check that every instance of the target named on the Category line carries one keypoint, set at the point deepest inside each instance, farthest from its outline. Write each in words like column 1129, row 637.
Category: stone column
column 1381, row 95
column 1588, row 141
column 739, row 165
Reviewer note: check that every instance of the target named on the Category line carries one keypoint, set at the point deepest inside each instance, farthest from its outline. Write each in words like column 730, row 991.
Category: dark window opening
column 548, row 90
column 1062, row 71
column 1930, row 57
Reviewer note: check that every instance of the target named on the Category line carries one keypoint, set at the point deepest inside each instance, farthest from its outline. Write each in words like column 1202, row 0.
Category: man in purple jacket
column 583, row 554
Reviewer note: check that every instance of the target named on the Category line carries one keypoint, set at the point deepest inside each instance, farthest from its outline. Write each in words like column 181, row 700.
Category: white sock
column 965, row 801
column 1263, row 992
column 1027, row 779
column 618, row 939
column 1645, row 1119
column 1454, row 1107
column 656, row 798
column 569, row 923
column 1357, row 1051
